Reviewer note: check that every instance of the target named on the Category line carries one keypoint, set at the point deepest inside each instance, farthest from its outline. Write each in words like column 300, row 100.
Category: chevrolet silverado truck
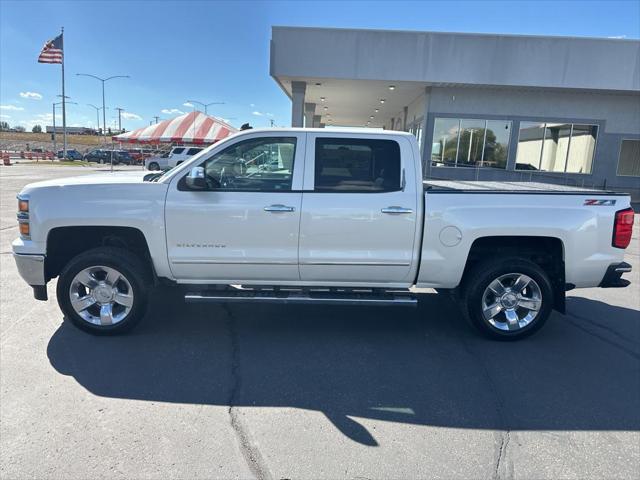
column 317, row 216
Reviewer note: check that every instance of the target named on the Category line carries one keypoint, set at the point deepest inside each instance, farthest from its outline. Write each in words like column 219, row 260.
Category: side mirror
column 196, row 179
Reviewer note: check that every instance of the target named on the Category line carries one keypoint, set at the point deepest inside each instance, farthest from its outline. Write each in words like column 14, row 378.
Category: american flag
column 52, row 51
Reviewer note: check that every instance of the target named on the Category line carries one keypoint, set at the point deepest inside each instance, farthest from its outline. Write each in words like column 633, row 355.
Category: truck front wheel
column 507, row 299
column 104, row 291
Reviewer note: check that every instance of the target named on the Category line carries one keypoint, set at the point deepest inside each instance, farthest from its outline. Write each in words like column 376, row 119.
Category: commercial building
column 490, row 107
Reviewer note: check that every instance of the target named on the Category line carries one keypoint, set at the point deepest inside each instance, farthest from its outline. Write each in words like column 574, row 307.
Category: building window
column 470, row 142
column 556, row 147
column 629, row 161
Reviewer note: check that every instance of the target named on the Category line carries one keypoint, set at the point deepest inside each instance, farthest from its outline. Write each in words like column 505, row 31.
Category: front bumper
column 31, row 269
column 613, row 277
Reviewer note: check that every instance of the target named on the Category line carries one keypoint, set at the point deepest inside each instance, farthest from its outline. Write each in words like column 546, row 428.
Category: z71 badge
column 604, row 203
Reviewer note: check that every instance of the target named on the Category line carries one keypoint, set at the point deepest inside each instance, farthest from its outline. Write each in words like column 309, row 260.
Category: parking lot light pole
column 104, row 116
column 55, row 145
column 97, row 114
column 54, row 105
column 205, row 105
column 120, row 110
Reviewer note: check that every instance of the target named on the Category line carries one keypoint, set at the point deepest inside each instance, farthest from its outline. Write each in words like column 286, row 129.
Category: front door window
column 258, row 165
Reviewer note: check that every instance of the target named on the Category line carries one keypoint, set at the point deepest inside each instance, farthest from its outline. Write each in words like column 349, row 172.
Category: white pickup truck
column 317, row 216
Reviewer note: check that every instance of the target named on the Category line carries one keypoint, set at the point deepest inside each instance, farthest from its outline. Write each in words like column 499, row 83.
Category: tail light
column 622, row 227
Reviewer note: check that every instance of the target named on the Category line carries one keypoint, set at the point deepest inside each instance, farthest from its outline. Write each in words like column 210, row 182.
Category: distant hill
column 19, row 141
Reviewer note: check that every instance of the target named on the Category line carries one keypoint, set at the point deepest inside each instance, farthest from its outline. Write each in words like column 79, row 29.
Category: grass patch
column 87, row 140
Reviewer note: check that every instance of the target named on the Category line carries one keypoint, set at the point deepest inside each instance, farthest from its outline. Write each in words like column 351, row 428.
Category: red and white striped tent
column 194, row 127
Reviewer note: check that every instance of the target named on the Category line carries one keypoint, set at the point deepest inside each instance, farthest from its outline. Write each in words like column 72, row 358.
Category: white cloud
column 28, row 124
column 170, row 111
column 618, row 37
column 269, row 114
column 10, row 107
column 131, row 116
column 187, row 104
column 257, row 114
column 252, row 104
column 46, row 117
column 5, row 116
column 31, row 95
column 41, row 119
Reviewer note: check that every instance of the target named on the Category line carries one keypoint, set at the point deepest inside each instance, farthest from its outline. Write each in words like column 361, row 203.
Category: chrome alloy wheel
column 101, row 295
column 511, row 301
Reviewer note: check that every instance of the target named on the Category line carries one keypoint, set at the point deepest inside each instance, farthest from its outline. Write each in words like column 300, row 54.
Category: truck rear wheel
column 507, row 299
column 104, row 291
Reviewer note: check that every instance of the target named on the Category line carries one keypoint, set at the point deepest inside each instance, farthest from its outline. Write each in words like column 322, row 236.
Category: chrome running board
column 328, row 296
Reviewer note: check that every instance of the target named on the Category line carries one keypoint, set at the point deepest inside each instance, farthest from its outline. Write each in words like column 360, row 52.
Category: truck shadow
column 423, row 367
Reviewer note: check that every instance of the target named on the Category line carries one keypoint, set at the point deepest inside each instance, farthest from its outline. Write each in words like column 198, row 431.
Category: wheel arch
column 545, row 251
column 64, row 243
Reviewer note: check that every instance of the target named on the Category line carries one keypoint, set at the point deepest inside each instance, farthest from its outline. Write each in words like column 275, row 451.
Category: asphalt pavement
column 308, row 392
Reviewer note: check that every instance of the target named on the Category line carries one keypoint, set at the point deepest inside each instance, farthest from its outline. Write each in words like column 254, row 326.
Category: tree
column 4, row 126
column 36, row 129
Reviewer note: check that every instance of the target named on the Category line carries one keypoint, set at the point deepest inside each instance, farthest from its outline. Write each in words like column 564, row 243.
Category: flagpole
column 64, row 111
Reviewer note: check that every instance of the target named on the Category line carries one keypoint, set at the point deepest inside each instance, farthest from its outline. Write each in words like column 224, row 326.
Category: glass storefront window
column 556, row 147
column 529, row 146
column 445, row 141
column 496, row 144
column 583, row 145
column 629, row 161
column 470, row 142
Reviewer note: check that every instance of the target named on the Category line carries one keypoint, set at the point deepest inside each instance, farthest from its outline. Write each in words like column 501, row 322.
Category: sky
column 218, row 51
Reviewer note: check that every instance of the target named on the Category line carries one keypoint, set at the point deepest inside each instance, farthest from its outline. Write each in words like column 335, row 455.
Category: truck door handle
column 279, row 208
column 396, row 210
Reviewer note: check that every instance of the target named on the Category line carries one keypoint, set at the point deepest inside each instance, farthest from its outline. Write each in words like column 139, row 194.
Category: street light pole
column 54, row 105
column 205, row 105
column 104, row 115
column 97, row 114
column 120, row 110
column 55, row 146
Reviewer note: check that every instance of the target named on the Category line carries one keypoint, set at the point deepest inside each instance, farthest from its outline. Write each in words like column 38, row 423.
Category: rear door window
column 357, row 165
column 193, row 151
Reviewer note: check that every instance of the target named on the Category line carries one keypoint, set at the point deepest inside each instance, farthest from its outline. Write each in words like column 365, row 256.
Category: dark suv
column 71, row 155
column 97, row 155
column 122, row 157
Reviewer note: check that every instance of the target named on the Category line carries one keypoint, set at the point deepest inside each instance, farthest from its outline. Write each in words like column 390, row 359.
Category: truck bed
column 459, row 186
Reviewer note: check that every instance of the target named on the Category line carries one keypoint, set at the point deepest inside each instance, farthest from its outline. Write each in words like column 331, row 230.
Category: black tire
column 477, row 281
column 154, row 166
column 136, row 273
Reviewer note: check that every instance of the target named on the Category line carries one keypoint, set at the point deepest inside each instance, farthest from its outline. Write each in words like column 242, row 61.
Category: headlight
column 23, row 217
